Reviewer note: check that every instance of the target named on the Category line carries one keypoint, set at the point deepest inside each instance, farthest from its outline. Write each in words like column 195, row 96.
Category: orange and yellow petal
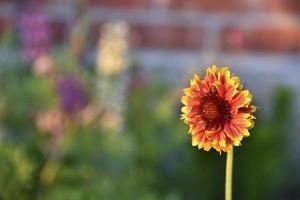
column 228, row 132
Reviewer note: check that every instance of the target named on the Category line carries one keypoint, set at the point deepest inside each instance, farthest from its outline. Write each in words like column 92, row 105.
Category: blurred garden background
column 90, row 98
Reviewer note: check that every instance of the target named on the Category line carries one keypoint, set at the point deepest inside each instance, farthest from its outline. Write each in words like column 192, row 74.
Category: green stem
column 228, row 177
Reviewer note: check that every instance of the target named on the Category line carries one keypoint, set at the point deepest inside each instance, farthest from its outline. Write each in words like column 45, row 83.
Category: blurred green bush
column 152, row 159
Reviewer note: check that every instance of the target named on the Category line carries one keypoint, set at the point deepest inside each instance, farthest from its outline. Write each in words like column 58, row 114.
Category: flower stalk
column 228, row 176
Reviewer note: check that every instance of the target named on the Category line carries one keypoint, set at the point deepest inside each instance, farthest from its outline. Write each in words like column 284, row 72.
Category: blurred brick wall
column 273, row 38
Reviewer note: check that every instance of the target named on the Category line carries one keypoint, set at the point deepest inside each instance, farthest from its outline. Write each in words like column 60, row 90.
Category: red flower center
column 214, row 110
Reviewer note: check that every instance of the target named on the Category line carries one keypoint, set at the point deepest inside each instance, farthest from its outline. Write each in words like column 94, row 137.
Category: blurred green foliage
column 262, row 163
column 151, row 160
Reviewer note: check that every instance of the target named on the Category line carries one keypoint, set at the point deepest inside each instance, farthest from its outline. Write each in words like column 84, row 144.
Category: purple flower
column 35, row 32
column 72, row 94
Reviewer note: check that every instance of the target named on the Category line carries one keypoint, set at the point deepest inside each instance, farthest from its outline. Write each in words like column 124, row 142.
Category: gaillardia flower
column 218, row 110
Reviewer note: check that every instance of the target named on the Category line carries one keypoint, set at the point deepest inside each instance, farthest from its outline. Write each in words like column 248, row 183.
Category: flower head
column 50, row 122
column 34, row 31
column 218, row 110
column 112, row 49
column 43, row 66
column 72, row 94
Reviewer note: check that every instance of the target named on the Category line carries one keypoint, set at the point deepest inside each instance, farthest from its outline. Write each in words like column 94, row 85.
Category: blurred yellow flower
column 111, row 121
column 218, row 110
column 88, row 114
column 112, row 48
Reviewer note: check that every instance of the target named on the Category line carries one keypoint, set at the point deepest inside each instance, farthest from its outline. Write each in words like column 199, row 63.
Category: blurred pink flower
column 50, row 122
column 43, row 66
